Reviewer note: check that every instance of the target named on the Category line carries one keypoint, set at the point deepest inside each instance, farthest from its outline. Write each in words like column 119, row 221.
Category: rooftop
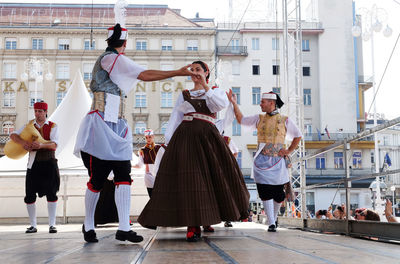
column 85, row 15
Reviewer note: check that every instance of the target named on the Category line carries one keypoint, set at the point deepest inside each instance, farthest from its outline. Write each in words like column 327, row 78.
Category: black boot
column 272, row 228
column 128, row 235
column 52, row 229
column 31, row 229
column 89, row 236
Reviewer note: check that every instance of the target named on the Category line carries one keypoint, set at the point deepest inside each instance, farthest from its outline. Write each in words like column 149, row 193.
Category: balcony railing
column 332, row 136
column 229, row 50
column 4, row 138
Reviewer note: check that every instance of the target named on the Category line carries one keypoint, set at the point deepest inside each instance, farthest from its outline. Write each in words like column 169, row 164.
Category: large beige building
column 59, row 37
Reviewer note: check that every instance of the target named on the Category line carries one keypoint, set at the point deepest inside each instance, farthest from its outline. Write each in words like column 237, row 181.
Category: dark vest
column 45, row 154
column 149, row 154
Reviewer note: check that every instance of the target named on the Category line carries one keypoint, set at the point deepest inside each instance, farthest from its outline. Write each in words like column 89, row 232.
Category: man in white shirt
column 42, row 175
column 104, row 139
column 271, row 160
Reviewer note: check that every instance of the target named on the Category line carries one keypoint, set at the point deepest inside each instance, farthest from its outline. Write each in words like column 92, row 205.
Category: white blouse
column 216, row 100
column 123, row 71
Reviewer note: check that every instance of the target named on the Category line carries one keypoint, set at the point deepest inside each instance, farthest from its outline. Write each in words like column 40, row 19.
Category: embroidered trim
column 112, row 67
column 203, row 117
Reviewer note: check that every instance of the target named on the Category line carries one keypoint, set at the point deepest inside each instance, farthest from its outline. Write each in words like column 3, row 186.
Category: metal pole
column 65, row 198
column 347, row 184
column 378, row 205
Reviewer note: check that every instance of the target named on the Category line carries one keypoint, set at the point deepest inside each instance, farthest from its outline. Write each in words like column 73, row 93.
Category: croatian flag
column 327, row 132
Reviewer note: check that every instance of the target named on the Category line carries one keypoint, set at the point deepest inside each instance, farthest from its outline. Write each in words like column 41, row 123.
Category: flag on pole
column 319, row 134
column 387, row 160
column 327, row 132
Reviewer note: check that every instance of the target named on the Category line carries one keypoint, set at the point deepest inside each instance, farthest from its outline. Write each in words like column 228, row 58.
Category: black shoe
column 276, row 223
column 228, row 224
column 52, row 229
column 128, row 235
column 31, row 229
column 89, row 236
column 272, row 228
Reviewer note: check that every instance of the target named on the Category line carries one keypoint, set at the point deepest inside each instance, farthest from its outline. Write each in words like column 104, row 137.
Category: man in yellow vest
column 269, row 167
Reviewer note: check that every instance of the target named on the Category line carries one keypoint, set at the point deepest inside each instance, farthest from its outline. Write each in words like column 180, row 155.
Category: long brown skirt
column 199, row 181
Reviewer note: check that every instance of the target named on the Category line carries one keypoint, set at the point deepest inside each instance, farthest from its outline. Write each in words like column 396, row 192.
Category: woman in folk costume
column 270, row 161
column 199, row 182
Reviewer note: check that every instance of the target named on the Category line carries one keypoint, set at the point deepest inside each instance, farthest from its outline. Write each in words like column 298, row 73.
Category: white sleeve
column 140, row 159
column 54, row 135
column 232, row 146
column 227, row 121
column 216, row 100
column 250, row 121
column 174, row 120
column 157, row 161
column 292, row 131
column 123, row 71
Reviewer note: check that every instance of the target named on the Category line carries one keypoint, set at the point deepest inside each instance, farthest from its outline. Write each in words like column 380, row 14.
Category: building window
column 357, row 158
column 306, row 71
column 255, row 133
column 192, row 44
column 166, row 44
column 239, row 159
column 141, row 44
column 164, row 126
column 255, row 43
column 236, row 91
column 256, row 94
column 320, row 162
column 60, row 96
column 235, row 67
column 140, row 127
column 37, row 44
column 277, row 90
column 338, row 160
column 11, row 43
column 62, row 71
column 310, row 202
column 354, row 200
column 10, row 70
column 87, row 44
column 87, row 71
column 63, row 44
column 305, row 44
column 32, row 99
column 235, row 44
column 256, row 67
column 8, row 127
column 275, row 44
column 275, row 69
column 140, row 100
column 166, row 99
column 236, row 128
column 307, row 96
column 8, row 99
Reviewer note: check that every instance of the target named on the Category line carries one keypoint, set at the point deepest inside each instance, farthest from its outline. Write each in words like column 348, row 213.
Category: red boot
column 191, row 234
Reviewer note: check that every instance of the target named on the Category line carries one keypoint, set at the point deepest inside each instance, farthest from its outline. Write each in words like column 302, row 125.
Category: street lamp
column 34, row 68
column 373, row 21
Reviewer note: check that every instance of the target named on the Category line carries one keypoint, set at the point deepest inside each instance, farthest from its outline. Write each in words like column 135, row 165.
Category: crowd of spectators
column 363, row 214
